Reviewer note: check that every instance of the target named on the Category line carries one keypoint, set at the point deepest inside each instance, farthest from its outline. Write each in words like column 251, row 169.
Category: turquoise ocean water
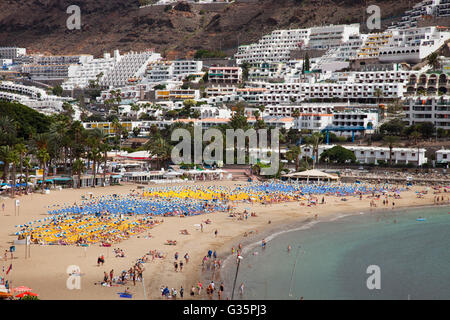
column 332, row 261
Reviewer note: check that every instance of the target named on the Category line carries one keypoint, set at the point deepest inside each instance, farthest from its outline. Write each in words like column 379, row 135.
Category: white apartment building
column 12, row 52
column 278, row 93
column 225, row 74
column 32, row 92
column 160, row 70
column 88, row 69
column 370, row 154
column 274, row 47
column 443, row 156
column 331, row 36
column 5, row 62
column 265, row 71
column 32, row 97
column 313, row 121
column 412, row 45
column 129, row 69
column 220, row 91
column 209, row 111
column 187, row 67
column 443, row 8
column 46, row 72
column 287, row 110
column 428, row 83
column 436, row 8
column 428, row 109
column 354, row 118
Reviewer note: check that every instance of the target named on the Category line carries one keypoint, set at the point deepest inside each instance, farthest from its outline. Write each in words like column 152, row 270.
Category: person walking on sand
column 215, row 233
column 111, row 275
column 181, row 292
column 241, row 289
column 176, row 266
column 181, row 266
column 201, row 226
column 192, row 291
column 220, row 292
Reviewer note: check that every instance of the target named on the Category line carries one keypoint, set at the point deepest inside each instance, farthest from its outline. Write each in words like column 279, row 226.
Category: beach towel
column 125, row 295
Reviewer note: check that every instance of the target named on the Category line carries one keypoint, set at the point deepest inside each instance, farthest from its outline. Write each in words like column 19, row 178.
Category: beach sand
column 45, row 271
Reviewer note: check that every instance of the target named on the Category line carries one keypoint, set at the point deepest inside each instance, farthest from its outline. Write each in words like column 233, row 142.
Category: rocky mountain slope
column 40, row 25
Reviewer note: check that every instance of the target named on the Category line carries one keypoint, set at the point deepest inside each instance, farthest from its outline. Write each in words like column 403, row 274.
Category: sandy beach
column 45, row 271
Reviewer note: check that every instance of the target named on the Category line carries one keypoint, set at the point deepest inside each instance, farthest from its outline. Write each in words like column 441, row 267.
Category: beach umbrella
column 21, row 295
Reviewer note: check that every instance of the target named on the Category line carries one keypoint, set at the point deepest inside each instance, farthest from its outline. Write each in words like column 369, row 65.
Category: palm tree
column 5, row 156
column 27, row 164
column 78, row 167
column 135, row 108
column 433, row 60
column 294, row 154
column 315, row 140
column 390, row 141
column 159, row 148
column 415, row 135
column 94, row 140
column 22, row 151
column 14, row 158
column 104, row 148
column 43, row 157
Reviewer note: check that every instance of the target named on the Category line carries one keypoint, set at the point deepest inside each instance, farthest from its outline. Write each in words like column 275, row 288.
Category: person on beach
column 215, row 233
column 181, row 266
column 199, row 288
column 215, row 254
column 181, row 292
column 105, row 277
column 263, row 243
column 186, row 257
column 289, row 248
column 209, row 253
column 220, row 292
column 176, row 266
column 192, row 291
column 201, row 226
column 111, row 275
column 241, row 289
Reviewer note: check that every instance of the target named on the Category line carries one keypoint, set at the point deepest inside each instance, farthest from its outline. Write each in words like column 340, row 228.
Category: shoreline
column 272, row 232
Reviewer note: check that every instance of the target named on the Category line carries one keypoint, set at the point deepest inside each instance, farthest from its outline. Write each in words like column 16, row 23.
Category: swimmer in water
column 289, row 248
